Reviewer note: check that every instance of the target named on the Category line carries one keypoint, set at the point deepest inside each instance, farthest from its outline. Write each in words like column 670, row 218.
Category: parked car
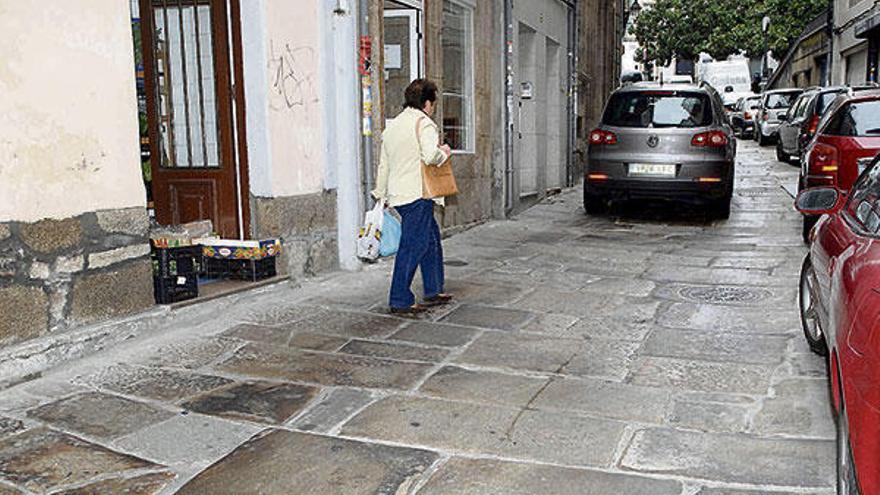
column 662, row 142
column 743, row 116
column 774, row 107
column 848, row 139
column 840, row 314
column 802, row 122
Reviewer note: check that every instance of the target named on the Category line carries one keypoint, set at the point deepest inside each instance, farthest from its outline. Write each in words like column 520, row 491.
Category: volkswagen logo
column 653, row 140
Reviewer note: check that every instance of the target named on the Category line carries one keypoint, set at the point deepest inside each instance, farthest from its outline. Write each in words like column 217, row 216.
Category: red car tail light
column 711, row 139
column 747, row 116
column 823, row 159
column 601, row 137
column 814, row 125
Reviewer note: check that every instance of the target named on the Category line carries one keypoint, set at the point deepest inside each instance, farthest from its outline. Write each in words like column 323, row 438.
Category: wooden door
column 197, row 156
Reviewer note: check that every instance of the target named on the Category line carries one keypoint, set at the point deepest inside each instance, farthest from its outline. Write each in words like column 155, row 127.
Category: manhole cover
column 455, row 263
column 724, row 295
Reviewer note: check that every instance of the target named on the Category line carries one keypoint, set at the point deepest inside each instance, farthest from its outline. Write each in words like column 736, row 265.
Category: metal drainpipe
column 572, row 92
column 508, row 107
column 366, row 95
column 829, row 64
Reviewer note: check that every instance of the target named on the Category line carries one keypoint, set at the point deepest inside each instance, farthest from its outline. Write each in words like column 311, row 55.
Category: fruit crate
column 174, row 261
column 251, row 270
column 168, row 290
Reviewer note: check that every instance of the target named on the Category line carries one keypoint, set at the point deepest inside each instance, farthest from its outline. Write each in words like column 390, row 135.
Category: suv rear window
column 860, row 118
column 780, row 100
column 659, row 109
column 825, row 100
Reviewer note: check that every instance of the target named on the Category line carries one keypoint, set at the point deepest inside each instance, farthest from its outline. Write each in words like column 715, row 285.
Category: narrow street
column 637, row 353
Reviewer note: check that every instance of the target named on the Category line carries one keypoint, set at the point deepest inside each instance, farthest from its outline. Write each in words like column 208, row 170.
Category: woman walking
column 409, row 140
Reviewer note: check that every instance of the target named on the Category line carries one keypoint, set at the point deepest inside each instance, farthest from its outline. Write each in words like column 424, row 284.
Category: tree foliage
column 685, row 28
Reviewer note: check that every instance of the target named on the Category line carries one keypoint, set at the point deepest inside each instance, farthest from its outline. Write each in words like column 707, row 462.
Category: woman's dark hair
column 420, row 92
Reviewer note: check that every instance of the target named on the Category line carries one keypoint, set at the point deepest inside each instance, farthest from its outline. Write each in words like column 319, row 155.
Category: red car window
column 863, row 207
column 860, row 118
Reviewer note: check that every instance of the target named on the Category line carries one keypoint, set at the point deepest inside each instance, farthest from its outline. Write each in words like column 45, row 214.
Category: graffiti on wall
column 292, row 76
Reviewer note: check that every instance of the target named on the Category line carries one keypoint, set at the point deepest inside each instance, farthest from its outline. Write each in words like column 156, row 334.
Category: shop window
column 458, row 75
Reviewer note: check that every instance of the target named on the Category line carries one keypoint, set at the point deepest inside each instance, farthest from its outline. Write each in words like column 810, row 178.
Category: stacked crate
column 175, row 272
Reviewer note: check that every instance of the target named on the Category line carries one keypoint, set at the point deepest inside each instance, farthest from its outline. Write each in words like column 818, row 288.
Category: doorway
column 404, row 59
column 191, row 52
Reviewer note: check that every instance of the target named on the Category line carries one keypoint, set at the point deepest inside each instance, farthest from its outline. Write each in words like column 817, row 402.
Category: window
column 458, row 75
column 659, row 109
column 861, row 118
column 775, row 101
column 864, row 204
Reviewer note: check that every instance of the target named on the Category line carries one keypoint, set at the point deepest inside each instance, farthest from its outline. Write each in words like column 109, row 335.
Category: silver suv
column 662, row 142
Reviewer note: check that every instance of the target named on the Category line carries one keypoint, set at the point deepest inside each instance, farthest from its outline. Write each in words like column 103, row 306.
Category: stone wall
column 307, row 227
column 58, row 274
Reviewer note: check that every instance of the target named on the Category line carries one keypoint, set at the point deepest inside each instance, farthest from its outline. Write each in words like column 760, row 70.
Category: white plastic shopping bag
column 370, row 235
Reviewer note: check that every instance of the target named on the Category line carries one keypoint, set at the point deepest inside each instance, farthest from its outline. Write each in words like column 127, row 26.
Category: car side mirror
column 819, row 200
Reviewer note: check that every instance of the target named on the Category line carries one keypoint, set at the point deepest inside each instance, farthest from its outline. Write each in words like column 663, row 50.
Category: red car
column 840, row 313
column 846, row 142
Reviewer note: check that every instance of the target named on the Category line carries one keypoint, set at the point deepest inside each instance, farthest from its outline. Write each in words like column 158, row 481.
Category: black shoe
column 415, row 309
column 438, row 300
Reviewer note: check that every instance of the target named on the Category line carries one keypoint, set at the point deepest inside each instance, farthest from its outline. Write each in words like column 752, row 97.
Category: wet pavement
column 647, row 351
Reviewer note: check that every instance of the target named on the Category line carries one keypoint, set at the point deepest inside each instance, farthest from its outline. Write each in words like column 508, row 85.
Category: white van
column 731, row 78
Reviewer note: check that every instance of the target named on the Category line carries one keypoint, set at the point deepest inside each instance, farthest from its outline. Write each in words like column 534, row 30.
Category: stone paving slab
column 394, row 351
column 702, row 376
column 331, row 410
column 99, row 415
column 799, row 408
column 520, row 351
column 262, row 402
column 710, row 416
column 729, row 319
column 274, row 363
column 452, row 382
column 708, row 346
column 154, row 383
column 488, row 317
column 189, row 353
column 435, row 334
column 480, row 429
column 731, row 458
column 273, row 464
column 603, row 359
column 607, row 399
column 189, row 441
column 41, row 460
column 147, row 484
column 491, row 477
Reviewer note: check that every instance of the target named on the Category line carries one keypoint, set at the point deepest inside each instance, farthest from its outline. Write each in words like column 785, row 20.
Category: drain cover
column 724, row 295
column 455, row 263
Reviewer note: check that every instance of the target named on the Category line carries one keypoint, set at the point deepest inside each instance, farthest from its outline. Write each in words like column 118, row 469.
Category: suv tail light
column 814, row 126
column 601, row 137
column 823, row 159
column 711, row 139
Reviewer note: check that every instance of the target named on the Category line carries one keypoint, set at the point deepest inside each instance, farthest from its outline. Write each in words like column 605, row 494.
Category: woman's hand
column 446, row 149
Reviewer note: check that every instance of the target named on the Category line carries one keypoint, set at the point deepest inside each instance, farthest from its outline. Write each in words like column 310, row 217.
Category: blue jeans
column 419, row 248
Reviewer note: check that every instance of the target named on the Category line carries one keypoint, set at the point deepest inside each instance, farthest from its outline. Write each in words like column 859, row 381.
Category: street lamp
column 635, row 9
column 765, row 27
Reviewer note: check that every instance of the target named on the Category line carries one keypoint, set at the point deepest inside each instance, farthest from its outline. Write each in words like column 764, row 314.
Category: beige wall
column 69, row 126
column 294, row 122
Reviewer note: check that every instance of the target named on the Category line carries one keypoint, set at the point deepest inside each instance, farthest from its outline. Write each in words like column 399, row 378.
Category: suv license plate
column 651, row 169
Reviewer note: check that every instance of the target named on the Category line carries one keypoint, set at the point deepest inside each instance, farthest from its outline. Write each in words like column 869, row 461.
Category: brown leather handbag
column 437, row 181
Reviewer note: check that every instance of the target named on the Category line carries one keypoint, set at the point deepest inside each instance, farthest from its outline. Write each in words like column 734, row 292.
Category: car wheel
column 809, row 315
column 847, row 483
column 594, row 204
column 780, row 153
